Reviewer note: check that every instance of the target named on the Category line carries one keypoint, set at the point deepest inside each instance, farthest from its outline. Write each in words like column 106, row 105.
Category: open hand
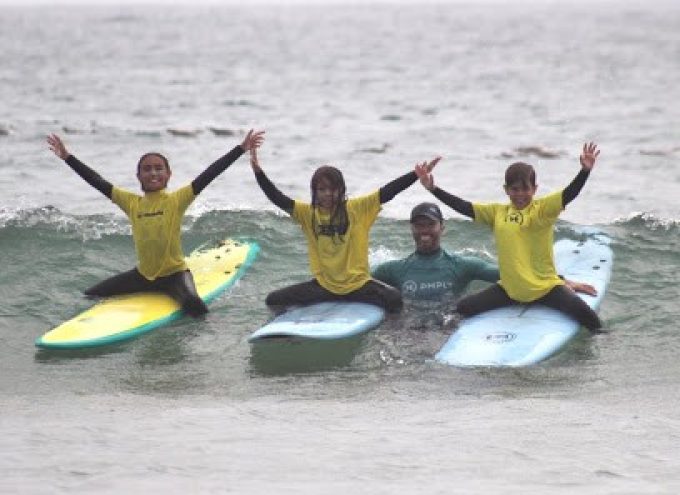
column 581, row 287
column 424, row 172
column 589, row 155
column 57, row 146
column 252, row 140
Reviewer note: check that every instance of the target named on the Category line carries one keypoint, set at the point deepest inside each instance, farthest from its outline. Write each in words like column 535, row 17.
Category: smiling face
column 153, row 172
column 520, row 194
column 520, row 184
column 427, row 234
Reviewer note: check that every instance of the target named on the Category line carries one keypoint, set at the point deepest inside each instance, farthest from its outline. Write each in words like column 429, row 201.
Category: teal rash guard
column 438, row 277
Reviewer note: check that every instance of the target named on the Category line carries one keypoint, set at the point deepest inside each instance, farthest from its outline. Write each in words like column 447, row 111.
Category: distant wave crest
column 52, row 219
column 648, row 221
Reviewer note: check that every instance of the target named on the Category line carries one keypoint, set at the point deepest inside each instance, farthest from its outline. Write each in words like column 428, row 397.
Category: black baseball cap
column 429, row 210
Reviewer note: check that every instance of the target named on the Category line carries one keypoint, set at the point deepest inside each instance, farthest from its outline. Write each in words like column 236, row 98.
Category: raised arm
column 588, row 158
column 269, row 189
column 88, row 175
column 424, row 173
column 252, row 140
column 391, row 189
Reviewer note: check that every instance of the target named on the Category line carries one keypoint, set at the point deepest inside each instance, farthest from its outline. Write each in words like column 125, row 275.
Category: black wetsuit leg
column 565, row 300
column 181, row 287
column 372, row 292
column 560, row 298
column 490, row 298
column 123, row 283
column 298, row 295
column 378, row 293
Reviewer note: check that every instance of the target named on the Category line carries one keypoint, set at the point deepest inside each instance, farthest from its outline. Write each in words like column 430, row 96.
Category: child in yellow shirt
column 336, row 229
column 156, row 218
column 523, row 230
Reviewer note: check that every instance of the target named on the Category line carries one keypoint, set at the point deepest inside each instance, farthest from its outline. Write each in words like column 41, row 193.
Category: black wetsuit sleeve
column 571, row 191
column 219, row 166
column 460, row 205
column 274, row 195
column 90, row 176
column 391, row 189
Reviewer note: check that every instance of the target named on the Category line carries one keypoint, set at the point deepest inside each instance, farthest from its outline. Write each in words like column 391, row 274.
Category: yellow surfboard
column 124, row 317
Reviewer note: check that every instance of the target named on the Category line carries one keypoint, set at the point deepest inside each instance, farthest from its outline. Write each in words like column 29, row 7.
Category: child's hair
column 152, row 153
column 338, row 222
column 520, row 172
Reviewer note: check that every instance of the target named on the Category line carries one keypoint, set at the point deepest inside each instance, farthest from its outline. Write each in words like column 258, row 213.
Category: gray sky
column 615, row 4
column 316, row 2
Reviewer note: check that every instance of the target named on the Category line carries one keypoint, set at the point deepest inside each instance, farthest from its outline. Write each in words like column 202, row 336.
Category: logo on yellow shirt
column 151, row 214
column 514, row 217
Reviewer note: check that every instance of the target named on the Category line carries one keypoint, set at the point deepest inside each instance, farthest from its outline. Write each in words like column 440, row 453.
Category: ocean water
column 373, row 89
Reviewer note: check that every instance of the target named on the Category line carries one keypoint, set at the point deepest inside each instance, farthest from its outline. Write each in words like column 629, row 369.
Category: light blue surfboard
column 322, row 321
column 523, row 335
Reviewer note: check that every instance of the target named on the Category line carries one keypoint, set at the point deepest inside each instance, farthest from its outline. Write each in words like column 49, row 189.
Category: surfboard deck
column 120, row 318
column 322, row 321
column 523, row 335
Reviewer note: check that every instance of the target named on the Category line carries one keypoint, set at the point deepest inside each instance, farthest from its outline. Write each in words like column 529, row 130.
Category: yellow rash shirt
column 156, row 219
column 524, row 241
column 340, row 263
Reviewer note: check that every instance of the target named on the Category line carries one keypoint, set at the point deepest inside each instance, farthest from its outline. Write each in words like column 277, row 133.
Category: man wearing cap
column 431, row 274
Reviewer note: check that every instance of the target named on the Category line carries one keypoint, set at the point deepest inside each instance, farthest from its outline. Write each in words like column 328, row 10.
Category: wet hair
column 520, row 172
column 153, row 153
column 339, row 221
